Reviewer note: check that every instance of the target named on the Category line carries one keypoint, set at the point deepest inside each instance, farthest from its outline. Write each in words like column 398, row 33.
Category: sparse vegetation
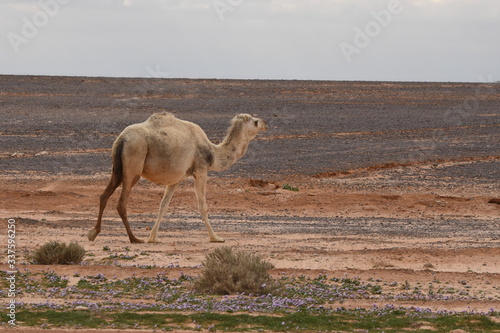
column 57, row 253
column 428, row 265
column 303, row 304
column 229, row 272
column 290, row 188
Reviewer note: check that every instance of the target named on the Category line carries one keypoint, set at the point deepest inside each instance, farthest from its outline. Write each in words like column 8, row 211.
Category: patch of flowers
column 160, row 293
column 388, row 309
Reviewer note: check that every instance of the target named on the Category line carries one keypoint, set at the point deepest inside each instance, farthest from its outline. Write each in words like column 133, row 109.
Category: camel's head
column 251, row 125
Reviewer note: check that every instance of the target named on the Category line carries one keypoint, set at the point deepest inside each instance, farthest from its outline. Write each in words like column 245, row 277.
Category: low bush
column 57, row 253
column 227, row 272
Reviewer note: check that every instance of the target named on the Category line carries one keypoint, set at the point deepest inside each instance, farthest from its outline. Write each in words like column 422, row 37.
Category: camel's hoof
column 136, row 241
column 218, row 240
column 153, row 240
column 92, row 234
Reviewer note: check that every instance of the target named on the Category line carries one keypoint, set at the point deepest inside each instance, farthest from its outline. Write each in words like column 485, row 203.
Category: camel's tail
column 117, row 173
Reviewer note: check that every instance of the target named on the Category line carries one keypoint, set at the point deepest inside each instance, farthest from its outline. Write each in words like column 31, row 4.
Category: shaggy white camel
column 166, row 151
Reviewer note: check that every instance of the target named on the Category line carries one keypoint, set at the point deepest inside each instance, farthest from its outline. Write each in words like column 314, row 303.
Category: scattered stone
column 495, row 201
column 81, row 308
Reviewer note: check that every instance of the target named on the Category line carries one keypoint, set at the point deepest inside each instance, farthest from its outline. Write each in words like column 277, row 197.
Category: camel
column 166, row 150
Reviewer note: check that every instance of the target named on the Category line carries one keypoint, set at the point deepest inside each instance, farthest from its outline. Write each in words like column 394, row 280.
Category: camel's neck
column 230, row 150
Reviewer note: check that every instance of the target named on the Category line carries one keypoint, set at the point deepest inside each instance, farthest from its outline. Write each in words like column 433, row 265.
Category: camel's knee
column 120, row 208
column 103, row 200
column 109, row 190
column 204, row 214
column 203, row 208
column 104, row 197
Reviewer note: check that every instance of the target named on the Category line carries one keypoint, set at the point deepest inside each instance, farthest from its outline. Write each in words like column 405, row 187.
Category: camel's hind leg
column 169, row 192
column 122, row 206
column 200, row 183
column 114, row 182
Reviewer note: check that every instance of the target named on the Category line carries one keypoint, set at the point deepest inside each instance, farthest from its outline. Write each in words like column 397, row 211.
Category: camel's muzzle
column 265, row 126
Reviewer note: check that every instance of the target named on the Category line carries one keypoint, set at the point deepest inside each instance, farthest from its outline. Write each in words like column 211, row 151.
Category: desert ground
column 392, row 181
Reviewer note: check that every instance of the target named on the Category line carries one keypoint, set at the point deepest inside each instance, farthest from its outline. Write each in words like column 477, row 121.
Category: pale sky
column 394, row 40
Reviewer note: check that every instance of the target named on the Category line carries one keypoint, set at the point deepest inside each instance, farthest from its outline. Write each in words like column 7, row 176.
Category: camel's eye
column 256, row 122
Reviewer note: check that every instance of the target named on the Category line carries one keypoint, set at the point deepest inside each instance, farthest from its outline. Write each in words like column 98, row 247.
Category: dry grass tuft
column 57, row 253
column 227, row 272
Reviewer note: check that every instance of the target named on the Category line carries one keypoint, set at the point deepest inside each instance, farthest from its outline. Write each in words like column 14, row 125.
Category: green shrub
column 57, row 253
column 227, row 272
column 290, row 188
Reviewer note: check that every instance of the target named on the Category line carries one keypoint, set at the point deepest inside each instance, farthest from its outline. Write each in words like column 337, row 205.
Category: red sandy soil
column 64, row 208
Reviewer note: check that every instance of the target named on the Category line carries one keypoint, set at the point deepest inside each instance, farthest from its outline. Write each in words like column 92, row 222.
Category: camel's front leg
column 169, row 192
column 200, row 183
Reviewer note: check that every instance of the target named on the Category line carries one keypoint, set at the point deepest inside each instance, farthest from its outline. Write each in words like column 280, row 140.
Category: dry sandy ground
column 387, row 197
column 282, row 226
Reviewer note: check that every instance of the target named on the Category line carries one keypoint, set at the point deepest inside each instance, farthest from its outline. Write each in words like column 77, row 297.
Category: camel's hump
column 162, row 119
column 162, row 116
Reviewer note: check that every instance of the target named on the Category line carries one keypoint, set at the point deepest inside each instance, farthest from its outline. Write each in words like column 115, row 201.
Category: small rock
column 42, row 153
column 81, row 308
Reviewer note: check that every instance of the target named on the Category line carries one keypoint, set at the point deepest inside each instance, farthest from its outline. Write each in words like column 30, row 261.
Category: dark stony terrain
column 67, row 124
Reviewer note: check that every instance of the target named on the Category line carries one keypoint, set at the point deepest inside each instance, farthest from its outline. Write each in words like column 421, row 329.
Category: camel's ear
column 245, row 117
